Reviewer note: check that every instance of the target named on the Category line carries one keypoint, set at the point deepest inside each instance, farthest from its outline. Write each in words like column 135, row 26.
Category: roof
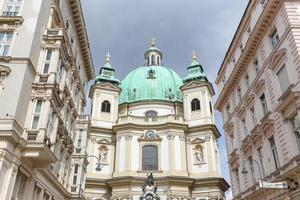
column 151, row 83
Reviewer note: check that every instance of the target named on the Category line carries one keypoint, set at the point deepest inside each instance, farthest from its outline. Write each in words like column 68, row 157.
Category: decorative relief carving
column 207, row 138
column 171, row 137
column 128, row 137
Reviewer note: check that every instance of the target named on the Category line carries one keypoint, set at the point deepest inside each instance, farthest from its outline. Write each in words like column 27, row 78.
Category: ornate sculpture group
column 149, row 189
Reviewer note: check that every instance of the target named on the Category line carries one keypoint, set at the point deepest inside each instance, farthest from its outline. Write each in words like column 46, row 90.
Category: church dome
column 151, row 83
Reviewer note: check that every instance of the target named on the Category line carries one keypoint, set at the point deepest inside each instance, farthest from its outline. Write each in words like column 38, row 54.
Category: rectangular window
column 256, row 65
column 59, row 71
column 76, row 166
column 263, row 102
column 36, row 114
column 245, row 127
column 247, row 80
column 47, row 61
column 274, row 152
column 238, row 180
column 239, row 93
column 252, row 170
column 254, row 121
column 274, row 38
column 12, row 7
column 5, row 42
column 295, row 121
column 261, row 161
column 50, row 123
column 79, row 139
column 283, row 78
column 228, row 111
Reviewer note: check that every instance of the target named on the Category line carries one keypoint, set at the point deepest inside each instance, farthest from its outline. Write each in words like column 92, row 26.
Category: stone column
column 128, row 141
column 11, row 179
column 171, row 152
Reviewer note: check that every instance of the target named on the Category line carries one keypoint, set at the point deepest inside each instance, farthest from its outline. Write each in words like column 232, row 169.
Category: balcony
column 11, row 18
column 54, row 34
column 150, row 120
column 37, row 149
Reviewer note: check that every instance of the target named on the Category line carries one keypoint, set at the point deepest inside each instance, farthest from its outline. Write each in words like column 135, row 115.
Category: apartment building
column 45, row 64
column 259, row 86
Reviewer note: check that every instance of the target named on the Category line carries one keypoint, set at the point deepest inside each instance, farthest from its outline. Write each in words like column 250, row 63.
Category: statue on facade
column 149, row 189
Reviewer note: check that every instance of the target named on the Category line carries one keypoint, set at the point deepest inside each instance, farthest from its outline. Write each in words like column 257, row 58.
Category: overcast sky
column 125, row 28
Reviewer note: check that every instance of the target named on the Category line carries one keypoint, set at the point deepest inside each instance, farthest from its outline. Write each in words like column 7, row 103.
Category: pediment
column 241, row 111
column 197, row 84
column 259, row 85
column 104, row 86
column 229, row 128
column 277, row 58
column 249, row 99
column 107, row 86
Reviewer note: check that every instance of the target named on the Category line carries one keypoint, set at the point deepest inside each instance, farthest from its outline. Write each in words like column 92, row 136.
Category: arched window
column 151, row 114
column 152, row 60
column 150, row 158
column 195, row 104
column 105, row 107
column 157, row 60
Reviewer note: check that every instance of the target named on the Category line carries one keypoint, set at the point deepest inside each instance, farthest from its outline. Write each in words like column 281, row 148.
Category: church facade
column 153, row 122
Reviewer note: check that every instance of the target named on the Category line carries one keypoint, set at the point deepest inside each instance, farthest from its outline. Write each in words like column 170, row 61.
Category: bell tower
column 104, row 96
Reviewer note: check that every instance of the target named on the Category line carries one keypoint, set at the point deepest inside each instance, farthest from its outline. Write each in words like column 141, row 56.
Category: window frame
column 36, row 114
column 47, row 61
column 281, row 69
column 6, row 42
column 274, row 152
column 195, row 104
column 105, row 106
column 264, row 104
column 156, row 163
column 275, row 39
column 14, row 11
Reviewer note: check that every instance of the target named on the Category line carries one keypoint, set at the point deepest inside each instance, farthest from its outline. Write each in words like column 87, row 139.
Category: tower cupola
column 153, row 55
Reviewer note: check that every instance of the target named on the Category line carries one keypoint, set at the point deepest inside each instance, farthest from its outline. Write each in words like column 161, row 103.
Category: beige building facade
column 259, row 100
column 155, row 122
column 45, row 64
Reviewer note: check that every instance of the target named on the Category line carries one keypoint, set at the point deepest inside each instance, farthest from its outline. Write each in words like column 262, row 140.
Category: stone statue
column 149, row 189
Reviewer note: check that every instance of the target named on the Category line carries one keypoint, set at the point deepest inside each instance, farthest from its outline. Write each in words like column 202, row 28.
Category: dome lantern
column 153, row 55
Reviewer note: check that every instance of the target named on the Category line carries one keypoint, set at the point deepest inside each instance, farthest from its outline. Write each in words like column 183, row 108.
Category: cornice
column 163, row 125
column 212, row 127
column 250, row 47
column 80, row 27
column 197, row 84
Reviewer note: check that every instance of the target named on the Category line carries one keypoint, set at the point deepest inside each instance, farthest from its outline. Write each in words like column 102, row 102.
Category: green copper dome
column 150, row 83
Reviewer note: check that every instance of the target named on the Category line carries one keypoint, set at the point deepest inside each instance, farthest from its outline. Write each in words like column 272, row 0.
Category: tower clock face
column 149, row 135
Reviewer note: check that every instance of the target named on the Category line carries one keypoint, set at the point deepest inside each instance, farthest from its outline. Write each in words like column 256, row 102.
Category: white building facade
column 45, row 64
column 153, row 122
column 259, row 100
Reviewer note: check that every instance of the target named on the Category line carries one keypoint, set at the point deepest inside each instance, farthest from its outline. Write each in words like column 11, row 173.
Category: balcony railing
column 142, row 119
column 9, row 13
column 32, row 135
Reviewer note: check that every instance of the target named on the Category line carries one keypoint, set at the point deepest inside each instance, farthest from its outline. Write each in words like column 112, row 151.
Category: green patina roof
column 151, row 83
column 107, row 73
column 195, row 72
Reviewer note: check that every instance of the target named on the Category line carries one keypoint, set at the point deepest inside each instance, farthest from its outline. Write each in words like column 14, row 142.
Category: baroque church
column 153, row 122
